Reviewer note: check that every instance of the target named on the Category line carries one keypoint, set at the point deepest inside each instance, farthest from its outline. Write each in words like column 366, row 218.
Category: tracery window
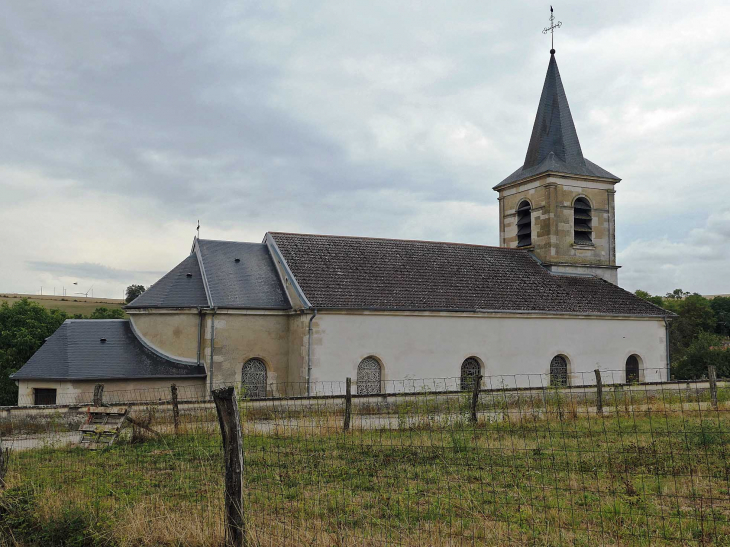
column 524, row 224
column 558, row 371
column 369, row 376
column 582, row 222
column 253, row 379
column 632, row 369
column 470, row 370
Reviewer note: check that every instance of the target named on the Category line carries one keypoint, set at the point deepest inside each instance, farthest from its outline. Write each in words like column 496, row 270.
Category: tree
column 656, row 300
column 704, row 350
column 107, row 313
column 24, row 326
column 721, row 306
column 694, row 317
column 677, row 294
column 133, row 291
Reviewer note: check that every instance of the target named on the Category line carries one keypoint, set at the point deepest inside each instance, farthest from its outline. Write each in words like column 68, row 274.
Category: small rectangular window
column 44, row 396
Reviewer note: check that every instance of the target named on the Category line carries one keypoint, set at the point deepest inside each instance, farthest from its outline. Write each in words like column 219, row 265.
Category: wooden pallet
column 102, row 426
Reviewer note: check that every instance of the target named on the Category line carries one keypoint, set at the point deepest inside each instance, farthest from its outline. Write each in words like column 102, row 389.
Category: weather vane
column 551, row 30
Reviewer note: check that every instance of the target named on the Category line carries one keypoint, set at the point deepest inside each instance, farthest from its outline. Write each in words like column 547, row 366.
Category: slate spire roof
column 554, row 144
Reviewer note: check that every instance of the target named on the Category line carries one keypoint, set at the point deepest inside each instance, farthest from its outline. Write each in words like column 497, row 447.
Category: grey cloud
column 89, row 271
column 382, row 119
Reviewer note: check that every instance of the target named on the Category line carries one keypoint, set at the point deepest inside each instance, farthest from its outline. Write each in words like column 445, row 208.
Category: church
column 543, row 308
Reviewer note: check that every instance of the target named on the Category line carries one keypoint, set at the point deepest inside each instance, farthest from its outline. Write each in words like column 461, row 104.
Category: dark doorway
column 632, row 369
column 44, row 396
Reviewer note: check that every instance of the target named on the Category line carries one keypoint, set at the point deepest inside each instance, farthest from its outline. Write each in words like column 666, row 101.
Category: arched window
column 559, row 371
column 582, row 222
column 524, row 224
column 369, row 376
column 632, row 369
column 253, row 379
column 470, row 369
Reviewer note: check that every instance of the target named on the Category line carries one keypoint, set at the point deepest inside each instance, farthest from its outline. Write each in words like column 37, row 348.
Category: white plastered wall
column 433, row 346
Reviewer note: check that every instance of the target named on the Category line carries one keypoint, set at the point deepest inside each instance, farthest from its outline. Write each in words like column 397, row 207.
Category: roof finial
column 198, row 229
column 551, row 30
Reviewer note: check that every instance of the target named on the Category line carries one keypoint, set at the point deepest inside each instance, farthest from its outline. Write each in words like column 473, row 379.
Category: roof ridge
column 368, row 238
column 231, row 241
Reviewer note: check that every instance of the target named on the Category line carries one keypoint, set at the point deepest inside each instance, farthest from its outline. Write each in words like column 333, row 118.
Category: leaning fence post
column 348, row 403
column 712, row 375
column 175, row 409
column 475, row 397
column 99, row 395
column 230, row 424
column 599, row 392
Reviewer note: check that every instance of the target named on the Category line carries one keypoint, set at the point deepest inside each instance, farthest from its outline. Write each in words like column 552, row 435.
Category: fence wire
column 424, row 462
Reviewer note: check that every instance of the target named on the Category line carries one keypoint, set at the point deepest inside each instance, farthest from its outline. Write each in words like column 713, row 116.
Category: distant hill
column 711, row 296
column 69, row 304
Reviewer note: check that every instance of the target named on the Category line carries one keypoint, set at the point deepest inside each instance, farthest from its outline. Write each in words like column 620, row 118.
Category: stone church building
column 303, row 310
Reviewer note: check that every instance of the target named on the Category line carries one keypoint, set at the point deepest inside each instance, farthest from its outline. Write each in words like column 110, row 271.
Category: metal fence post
column 475, row 397
column 175, row 409
column 230, row 424
column 712, row 375
column 599, row 392
column 99, row 395
column 348, row 403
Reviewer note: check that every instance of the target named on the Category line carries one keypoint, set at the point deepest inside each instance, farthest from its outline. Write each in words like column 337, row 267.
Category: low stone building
column 298, row 311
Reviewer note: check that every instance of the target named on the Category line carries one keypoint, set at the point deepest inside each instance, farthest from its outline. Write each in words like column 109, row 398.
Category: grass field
column 70, row 304
column 660, row 477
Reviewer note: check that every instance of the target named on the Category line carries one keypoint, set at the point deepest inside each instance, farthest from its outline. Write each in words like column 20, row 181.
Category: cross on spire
column 551, row 30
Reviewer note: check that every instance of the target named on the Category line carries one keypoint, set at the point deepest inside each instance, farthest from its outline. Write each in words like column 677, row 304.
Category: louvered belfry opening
column 524, row 224
column 582, row 222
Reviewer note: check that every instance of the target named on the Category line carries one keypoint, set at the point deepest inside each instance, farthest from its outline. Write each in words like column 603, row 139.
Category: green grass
column 70, row 304
column 628, row 479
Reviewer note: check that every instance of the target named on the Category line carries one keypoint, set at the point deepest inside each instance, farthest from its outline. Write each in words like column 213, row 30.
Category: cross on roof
column 551, row 30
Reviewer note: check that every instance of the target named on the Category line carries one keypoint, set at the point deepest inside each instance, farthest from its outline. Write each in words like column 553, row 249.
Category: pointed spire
column 554, row 145
column 554, row 130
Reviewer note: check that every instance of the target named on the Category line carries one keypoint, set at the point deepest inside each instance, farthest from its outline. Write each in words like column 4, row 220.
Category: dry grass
column 649, row 473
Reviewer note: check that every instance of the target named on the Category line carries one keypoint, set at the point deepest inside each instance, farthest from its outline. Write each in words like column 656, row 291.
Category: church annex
column 301, row 309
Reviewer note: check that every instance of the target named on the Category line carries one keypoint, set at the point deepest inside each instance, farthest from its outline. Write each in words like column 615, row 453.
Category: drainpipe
column 309, row 353
column 200, row 325
column 669, row 363
column 212, row 347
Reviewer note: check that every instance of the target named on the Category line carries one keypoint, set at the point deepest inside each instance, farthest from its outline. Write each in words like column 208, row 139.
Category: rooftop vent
column 237, row 260
column 188, row 274
column 102, row 340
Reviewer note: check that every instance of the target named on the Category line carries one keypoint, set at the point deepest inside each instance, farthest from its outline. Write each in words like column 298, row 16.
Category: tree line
column 698, row 335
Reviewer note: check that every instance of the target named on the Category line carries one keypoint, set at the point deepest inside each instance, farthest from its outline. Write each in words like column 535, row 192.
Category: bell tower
column 559, row 205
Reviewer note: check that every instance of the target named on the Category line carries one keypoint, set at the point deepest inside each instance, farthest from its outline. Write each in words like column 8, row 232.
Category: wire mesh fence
column 507, row 460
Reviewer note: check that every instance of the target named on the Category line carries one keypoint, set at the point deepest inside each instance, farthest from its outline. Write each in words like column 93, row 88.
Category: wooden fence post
column 599, row 392
column 712, row 375
column 99, row 395
column 475, row 397
column 348, row 402
column 4, row 460
column 175, row 408
column 230, row 424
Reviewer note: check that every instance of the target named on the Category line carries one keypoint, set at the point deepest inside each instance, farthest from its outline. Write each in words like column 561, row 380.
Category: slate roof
column 554, row 144
column 251, row 283
column 75, row 352
column 337, row 272
column 175, row 289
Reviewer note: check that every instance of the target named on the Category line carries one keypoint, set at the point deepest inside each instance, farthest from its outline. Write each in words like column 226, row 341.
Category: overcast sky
column 126, row 122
